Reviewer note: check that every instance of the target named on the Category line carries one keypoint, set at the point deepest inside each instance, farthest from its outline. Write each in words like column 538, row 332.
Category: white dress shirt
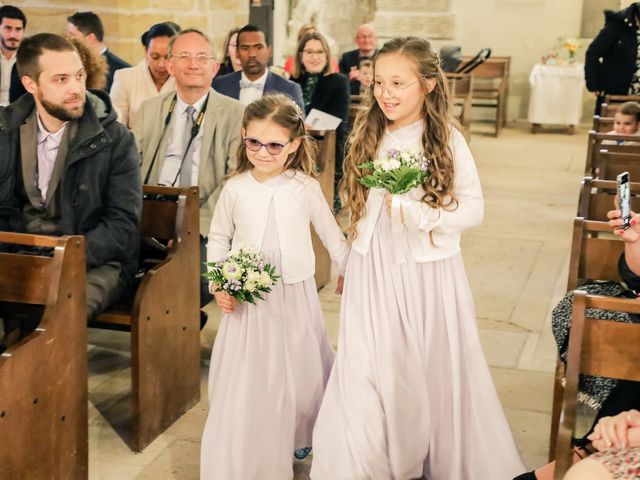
column 48, row 146
column 131, row 86
column 176, row 147
column 241, row 215
column 444, row 224
column 249, row 94
column 6, row 65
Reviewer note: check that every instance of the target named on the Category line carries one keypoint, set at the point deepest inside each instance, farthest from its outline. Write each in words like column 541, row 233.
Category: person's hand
column 596, row 94
column 340, row 285
column 388, row 201
column 354, row 74
column 629, row 235
column 225, row 301
column 613, row 432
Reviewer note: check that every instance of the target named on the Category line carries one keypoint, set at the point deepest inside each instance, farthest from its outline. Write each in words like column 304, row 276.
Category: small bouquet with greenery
column 397, row 172
column 242, row 274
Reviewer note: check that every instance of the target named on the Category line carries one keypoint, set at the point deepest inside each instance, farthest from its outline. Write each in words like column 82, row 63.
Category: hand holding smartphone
column 624, row 199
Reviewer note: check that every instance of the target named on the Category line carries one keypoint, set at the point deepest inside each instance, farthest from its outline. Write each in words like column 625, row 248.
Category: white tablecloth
column 556, row 94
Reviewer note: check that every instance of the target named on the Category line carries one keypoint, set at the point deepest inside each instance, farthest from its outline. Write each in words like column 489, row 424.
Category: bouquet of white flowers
column 397, row 172
column 243, row 275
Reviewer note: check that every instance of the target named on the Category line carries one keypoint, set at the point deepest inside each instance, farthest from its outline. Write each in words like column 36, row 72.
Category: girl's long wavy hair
column 283, row 111
column 370, row 125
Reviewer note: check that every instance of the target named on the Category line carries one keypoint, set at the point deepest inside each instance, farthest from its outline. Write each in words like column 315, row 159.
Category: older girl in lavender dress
column 410, row 394
column 270, row 361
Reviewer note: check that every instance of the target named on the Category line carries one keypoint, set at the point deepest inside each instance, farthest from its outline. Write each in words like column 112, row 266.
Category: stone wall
column 125, row 20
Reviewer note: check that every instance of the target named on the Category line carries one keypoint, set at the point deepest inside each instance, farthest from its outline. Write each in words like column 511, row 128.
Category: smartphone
column 624, row 199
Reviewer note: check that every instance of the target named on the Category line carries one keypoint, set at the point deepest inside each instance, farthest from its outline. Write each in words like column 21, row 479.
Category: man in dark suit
column 366, row 40
column 12, row 25
column 255, row 79
column 87, row 26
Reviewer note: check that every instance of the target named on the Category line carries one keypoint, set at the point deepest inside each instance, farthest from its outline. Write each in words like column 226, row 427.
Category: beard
column 9, row 47
column 59, row 111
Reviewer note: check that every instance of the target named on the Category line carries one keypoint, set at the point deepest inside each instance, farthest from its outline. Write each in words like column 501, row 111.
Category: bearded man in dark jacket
column 67, row 167
column 611, row 63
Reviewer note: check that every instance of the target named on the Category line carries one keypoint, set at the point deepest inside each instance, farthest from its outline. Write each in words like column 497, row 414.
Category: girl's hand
column 629, row 235
column 388, row 200
column 340, row 285
column 613, row 432
column 225, row 301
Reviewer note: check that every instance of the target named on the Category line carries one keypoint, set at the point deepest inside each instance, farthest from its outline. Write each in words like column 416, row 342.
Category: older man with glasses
column 367, row 42
column 191, row 136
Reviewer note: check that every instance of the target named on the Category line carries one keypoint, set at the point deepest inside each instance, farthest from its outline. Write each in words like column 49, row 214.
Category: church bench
column 163, row 317
column 602, row 124
column 598, row 143
column 596, row 198
column 43, row 378
column 326, row 167
column 595, row 251
column 611, row 162
column 596, row 347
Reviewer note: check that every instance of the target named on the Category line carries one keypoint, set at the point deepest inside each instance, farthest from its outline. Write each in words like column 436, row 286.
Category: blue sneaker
column 301, row 453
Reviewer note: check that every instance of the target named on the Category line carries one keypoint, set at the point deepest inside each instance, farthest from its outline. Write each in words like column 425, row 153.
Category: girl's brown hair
column 283, row 111
column 94, row 64
column 298, row 69
column 370, row 125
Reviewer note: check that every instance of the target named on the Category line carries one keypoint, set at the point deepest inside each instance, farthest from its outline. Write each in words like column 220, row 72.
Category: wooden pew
column 491, row 87
column 357, row 104
column 602, row 124
column 326, row 165
column 164, row 317
column 461, row 88
column 43, row 378
column 596, row 347
column 608, row 110
column 612, row 163
column 599, row 142
column 596, row 198
column 619, row 99
column 594, row 256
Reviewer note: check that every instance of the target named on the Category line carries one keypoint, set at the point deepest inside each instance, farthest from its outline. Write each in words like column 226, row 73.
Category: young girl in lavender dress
column 270, row 361
column 410, row 394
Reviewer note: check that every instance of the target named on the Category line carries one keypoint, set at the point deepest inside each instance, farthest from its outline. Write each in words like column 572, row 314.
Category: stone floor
column 516, row 262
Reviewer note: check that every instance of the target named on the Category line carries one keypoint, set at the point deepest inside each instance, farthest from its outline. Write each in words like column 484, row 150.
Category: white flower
column 265, row 279
column 250, row 286
column 231, row 271
column 390, row 164
column 253, row 276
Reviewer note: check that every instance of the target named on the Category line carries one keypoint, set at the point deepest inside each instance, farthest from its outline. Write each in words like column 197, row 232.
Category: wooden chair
column 357, row 104
column 594, row 256
column 164, row 317
column 596, row 347
column 461, row 88
column 491, row 87
column 326, row 165
column 596, row 198
column 602, row 124
column 601, row 142
column 43, row 378
column 611, row 163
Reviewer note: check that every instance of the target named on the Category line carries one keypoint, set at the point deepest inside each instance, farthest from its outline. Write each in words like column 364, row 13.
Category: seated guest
column 95, row 66
column 617, row 441
column 191, row 136
column 68, row 168
column 148, row 79
column 12, row 25
column 255, row 79
column 290, row 62
column 366, row 76
column 350, row 62
column 323, row 90
column 230, row 62
column 609, row 396
column 88, row 27
column 625, row 122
